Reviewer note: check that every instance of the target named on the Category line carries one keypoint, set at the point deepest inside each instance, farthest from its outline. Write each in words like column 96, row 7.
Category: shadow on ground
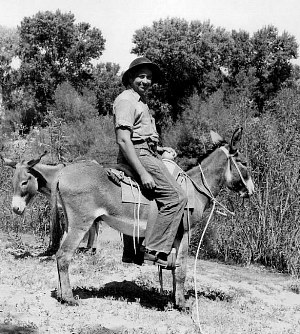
column 98, row 330
column 126, row 290
column 12, row 329
column 215, row 295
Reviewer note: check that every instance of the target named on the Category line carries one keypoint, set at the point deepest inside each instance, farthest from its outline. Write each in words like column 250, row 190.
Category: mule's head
column 237, row 175
column 25, row 184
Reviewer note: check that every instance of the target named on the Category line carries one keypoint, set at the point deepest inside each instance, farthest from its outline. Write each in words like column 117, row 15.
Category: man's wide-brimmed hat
column 139, row 62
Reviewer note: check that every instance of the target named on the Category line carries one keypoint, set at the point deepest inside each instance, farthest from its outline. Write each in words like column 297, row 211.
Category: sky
column 119, row 19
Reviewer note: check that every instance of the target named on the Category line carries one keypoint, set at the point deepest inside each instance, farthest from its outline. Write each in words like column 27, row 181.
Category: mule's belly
column 127, row 225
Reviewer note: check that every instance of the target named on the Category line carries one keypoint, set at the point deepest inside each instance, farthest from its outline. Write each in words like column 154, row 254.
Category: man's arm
column 125, row 143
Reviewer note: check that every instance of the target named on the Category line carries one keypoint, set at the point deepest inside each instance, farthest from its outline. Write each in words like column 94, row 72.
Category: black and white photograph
column 149, row 167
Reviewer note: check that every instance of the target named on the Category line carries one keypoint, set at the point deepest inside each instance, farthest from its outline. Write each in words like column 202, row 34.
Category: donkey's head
column 237, row 175
column 25, row 183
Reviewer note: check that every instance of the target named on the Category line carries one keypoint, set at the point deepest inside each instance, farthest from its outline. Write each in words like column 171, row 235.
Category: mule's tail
column 56, row 229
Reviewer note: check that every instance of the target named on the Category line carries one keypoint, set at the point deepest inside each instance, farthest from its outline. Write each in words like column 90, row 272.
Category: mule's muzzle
column 19, row 204
column 245, row 194
column 18, row 211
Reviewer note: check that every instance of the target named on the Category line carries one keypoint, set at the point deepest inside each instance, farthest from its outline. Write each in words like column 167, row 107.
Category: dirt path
column 123, row 298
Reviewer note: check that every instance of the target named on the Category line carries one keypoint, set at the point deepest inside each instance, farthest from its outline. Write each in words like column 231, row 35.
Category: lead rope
column 199, row 245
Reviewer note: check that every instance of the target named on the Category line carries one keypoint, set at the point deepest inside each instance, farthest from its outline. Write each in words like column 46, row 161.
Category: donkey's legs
column 93, row 236
column 63, row 257
column 90, row 239
column 180, row 271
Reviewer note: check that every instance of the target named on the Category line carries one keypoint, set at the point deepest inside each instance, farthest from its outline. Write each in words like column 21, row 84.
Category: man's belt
column 147, row 144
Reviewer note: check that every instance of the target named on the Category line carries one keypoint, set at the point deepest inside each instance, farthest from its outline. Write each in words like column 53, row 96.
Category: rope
column 136, row 213
column 195, row 267
column 211, row 196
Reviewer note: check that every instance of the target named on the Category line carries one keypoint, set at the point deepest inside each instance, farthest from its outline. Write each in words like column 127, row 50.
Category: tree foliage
column 54, row 49
column 189, row 55
column 271, row 58
column 106, row 84
column 8, row 47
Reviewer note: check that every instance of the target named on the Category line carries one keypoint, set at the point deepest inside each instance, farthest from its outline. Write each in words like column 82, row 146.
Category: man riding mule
column 138, row 148
column 87, row 195
column 95, row 197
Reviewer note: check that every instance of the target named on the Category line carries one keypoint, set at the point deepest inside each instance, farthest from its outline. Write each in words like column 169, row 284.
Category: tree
column 271, row 58
column 189, row 55
column 106, row 84
column 54, row 49
column 8, row 47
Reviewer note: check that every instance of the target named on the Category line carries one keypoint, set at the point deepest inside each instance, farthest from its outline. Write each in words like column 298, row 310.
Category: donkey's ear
column 8, row 162
column 33, row 162
column 236, row 137
column 215, row 137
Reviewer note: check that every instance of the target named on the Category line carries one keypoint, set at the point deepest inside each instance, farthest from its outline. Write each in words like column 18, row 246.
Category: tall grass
column 265, row 229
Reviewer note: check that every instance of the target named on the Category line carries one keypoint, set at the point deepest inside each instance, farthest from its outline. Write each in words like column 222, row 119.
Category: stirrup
column 152, row 257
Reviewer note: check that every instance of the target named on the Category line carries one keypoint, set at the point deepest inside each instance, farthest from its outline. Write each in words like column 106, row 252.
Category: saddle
column 125, row 177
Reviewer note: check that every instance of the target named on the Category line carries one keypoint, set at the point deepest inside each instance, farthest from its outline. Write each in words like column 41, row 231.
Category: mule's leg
column 84, row 242
column 180, row 271
column 93, row 236
column 63, row 258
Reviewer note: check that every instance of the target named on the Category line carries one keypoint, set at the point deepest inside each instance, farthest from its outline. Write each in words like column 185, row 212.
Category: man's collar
column 137, row 96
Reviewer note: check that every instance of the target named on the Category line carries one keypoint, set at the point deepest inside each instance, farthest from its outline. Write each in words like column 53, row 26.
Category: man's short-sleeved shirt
column 132, row 113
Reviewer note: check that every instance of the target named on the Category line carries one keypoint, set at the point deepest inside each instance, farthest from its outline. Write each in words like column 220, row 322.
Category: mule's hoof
column 72, row 302
column 68, row 301
column 48, row 252
column 83, row 250
column 181, row 304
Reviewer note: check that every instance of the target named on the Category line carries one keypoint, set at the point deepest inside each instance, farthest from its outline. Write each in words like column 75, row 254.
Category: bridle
column 231, row 157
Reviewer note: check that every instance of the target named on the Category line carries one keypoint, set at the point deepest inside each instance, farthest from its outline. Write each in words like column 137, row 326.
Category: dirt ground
column 124, row 298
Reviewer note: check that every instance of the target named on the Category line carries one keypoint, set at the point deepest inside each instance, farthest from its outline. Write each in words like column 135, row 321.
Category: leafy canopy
column 54, row 49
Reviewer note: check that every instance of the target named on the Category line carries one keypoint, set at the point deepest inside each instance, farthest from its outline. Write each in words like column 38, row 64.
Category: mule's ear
column 33, row 162
column 215, row 137
column 236, row 137
column 8, row 162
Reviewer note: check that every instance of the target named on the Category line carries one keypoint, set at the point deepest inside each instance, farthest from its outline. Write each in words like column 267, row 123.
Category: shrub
column 266, row 229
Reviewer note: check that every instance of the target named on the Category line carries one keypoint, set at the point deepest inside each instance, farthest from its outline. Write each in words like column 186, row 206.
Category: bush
column 266, row 229
column 71, row 106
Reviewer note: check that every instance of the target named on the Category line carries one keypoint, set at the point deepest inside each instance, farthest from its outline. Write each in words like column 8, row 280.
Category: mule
column 94, row 197
column 33, row 177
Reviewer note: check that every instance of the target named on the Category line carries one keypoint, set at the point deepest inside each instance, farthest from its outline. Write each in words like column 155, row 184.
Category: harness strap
column 231, row 157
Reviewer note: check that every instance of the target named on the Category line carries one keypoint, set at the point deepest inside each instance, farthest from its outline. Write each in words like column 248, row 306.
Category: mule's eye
column 24, row 183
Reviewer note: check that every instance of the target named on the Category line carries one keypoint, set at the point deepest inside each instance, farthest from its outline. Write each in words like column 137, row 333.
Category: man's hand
column 147, row 181
column 168, row 153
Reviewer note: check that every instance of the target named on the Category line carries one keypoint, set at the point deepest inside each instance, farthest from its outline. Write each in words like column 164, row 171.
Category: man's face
column 141, row 80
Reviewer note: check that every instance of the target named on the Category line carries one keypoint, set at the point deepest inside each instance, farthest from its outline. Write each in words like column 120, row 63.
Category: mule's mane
column 211, row 150
column 206, row 154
